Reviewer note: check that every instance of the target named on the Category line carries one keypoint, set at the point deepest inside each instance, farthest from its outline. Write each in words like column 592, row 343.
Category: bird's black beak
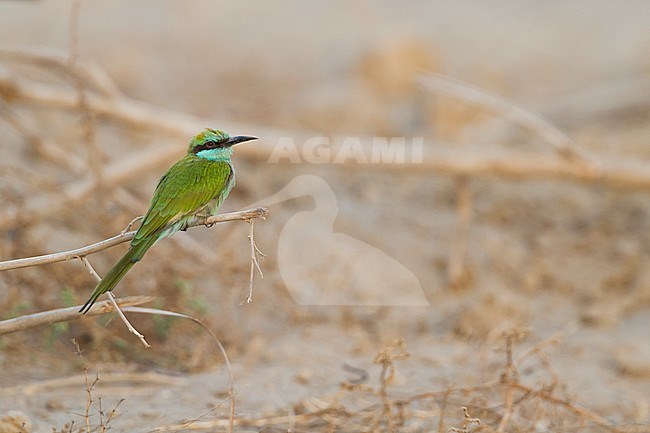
column 238, row 139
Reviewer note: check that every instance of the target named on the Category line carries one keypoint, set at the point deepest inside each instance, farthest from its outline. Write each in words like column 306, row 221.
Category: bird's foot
column 204, row 217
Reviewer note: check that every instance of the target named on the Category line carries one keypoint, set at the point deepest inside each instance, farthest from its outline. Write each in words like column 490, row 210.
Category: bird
column 196, row 185
column 357, row 273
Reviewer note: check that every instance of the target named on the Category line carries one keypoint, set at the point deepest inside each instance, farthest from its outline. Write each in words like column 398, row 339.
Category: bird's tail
column 115, row 275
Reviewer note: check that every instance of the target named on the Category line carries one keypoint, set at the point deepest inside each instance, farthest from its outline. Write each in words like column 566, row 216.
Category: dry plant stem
column 366, row 419
column 140, row 379
column 254, row 263
column 556, row 138
column 262, row 422
column 386, row 402
column 103, row 425
column 244, row 215
column 130, row 327
column 539, row 347
column 508, row 377
column 509, row 405
column 467, row 422
column 449, row 391
column 66, row 314
column 87, row 385
column 231, row 377
column 89, row 398
column 570, row 406
column 105, row 428
column 459, row 273
column 130, row 224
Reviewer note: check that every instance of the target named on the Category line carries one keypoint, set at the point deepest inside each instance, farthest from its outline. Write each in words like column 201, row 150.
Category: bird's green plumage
column 196, row 185
column 186, row 189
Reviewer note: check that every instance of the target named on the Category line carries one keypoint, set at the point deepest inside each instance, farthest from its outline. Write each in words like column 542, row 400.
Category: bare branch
column 41, row 145
column 66, row 314
column 128, row 324
column 149, row 378
column 254, row 263
column 552, row 135
column 58, row 61
column 111, row 297
column 125, row 237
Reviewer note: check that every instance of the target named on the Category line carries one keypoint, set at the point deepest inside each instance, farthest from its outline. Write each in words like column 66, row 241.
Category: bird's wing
column 187, row 186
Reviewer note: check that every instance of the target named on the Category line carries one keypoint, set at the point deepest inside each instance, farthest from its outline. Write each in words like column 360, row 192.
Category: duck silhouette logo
column 322, row 267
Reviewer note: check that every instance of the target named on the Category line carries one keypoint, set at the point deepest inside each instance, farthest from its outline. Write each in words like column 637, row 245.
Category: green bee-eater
column 196, row 185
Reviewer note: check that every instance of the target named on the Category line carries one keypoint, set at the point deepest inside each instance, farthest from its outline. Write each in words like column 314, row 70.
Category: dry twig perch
column 65, row 314
column 244, row 215
column 83, row 252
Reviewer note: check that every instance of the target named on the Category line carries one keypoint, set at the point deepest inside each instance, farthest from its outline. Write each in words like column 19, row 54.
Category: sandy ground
column 564, row 261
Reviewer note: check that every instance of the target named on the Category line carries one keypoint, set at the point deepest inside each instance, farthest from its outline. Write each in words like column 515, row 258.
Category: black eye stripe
column 210, row 145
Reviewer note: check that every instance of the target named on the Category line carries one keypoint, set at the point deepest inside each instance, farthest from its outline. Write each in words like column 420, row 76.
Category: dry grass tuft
column 505, row 403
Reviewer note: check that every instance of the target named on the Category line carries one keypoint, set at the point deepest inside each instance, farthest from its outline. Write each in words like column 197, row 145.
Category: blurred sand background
column 556, row 257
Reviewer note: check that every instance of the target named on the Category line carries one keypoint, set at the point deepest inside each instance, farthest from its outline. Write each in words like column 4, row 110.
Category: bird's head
column 214, row 144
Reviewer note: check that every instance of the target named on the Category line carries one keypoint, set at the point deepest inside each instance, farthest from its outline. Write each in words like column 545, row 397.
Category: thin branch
column 250, row 422
column 66, row 314
column 552, row 135
column 254, row 263
column 244, row 215
column 88, row 386
column 41, row 145
column 130, row 327
column 140, row 379
column 585, row 413
column 51, row 60
column 509, row 409
column 130, row 224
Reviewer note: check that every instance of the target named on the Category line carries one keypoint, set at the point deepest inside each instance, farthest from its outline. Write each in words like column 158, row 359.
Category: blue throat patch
column 216, row 154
